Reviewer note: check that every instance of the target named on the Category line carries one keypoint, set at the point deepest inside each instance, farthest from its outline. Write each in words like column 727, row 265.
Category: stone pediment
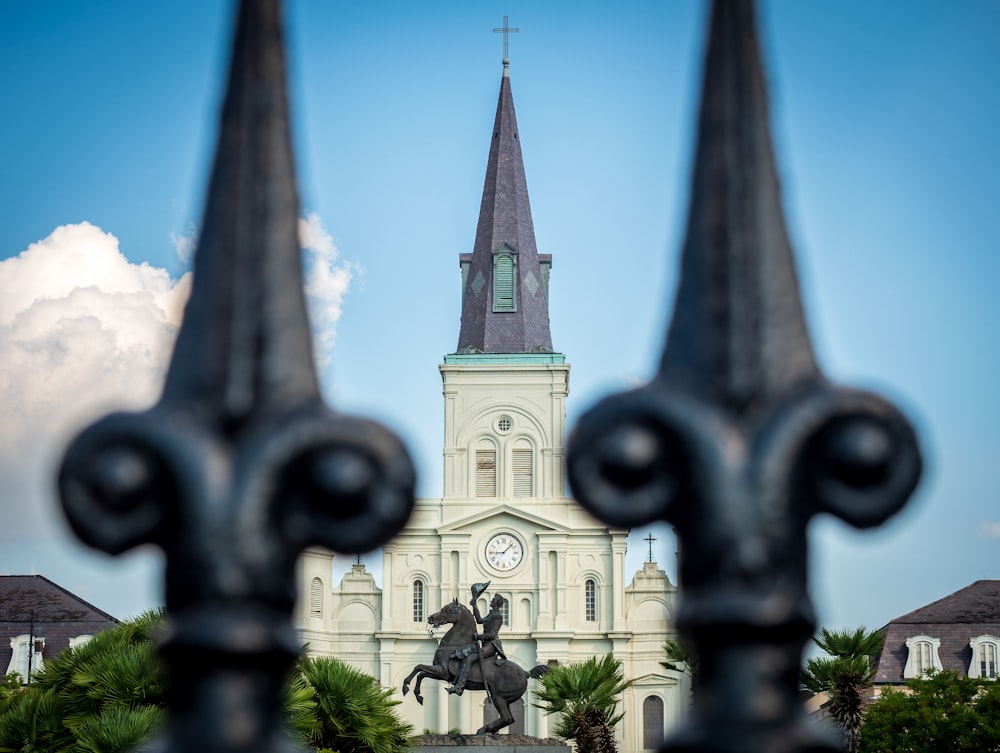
column 500, row 511
column 654, row 679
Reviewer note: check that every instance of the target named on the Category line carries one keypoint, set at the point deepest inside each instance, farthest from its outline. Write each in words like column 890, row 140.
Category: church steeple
column 505, row 280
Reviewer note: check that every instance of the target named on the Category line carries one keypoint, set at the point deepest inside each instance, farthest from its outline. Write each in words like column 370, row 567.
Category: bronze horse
column 506, row 682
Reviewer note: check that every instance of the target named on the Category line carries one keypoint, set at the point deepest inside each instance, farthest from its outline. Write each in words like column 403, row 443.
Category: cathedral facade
column 504, row 516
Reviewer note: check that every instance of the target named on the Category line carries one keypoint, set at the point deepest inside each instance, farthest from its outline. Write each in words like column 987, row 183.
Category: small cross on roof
column 505, row 30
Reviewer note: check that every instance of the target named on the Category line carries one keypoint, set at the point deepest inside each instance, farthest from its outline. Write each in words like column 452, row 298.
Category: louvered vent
column 316, row 598
column 521, row 460
column 503, row 284
column 486, row 473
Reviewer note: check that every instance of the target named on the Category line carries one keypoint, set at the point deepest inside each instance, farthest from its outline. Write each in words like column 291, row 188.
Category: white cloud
column 328, row 279
column 82, row 331
column 989, row 530
column 80, row 256
column 185, row 244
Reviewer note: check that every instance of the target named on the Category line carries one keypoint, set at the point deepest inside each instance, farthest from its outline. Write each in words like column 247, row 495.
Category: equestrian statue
column 470, row 659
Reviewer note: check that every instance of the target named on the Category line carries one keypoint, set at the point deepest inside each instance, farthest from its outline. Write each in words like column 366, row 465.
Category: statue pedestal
column 488, row 744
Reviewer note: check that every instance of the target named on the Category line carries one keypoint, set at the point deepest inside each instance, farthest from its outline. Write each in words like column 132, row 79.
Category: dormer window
column 26, row 656
column 985, row 650
column 922, row 656
column 504, row 268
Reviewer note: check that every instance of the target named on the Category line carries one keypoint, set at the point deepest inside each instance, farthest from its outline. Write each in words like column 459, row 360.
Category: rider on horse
column 491, row 645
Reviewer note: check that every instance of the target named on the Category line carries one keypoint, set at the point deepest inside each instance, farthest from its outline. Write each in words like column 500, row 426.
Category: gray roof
column 954, row 619
column 33, row 603
column 505, row 219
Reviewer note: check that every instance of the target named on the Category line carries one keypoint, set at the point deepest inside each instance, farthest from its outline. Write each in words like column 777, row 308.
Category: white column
column 463, row 715
column 542, row 617
column 388, row 590
column 618, row 546
column 441, row 702
column 562, row 617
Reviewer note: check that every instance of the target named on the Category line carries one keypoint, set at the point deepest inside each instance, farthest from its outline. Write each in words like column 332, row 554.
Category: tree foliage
column 681, row 657
column 10, row 684
column 105, row 696
column 353, row 713
column 847, row 652
column 845, row 673
column 109, row 696
column 943, row 712
column 585, row 697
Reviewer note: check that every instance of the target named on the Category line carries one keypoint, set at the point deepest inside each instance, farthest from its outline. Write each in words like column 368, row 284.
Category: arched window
column 652, row 722
column 985, row 651
column 418, row 600
column 316, row 598
column 503, row 281
column 525, row 612
column 505, row 611
column 590, row 600
column 486, row 470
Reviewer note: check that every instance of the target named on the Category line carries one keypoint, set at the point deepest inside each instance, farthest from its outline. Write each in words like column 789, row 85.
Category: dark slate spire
column 505, row 227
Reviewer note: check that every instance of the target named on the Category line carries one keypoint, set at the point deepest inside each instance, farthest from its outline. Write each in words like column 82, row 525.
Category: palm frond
column 583, row 695
column 848, row 643
column 354, row 713
column 118, row 730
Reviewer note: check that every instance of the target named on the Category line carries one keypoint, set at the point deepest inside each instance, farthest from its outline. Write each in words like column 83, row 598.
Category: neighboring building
column 504, row 516
column 39, row 618
column 960, row 632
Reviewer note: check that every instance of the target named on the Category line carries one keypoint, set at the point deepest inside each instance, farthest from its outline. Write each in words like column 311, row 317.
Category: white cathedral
column 504, row 516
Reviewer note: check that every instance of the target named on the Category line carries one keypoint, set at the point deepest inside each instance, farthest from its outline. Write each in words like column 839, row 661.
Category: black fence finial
column 739, row 439
column 240, row 466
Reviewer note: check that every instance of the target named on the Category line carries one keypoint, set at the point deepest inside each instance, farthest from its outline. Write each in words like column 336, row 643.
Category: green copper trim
column 533, row 359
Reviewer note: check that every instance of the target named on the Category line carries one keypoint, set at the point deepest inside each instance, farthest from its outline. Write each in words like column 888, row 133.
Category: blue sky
column 885, row 117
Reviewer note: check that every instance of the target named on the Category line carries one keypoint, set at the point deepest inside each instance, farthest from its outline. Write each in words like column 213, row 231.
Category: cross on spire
column 505, row 30
column 650, row 538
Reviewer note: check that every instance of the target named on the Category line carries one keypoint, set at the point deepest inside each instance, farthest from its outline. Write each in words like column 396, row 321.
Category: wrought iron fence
column 737, row 441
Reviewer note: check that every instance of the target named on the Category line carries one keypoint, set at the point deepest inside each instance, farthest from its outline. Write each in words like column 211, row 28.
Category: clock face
column 504, row 551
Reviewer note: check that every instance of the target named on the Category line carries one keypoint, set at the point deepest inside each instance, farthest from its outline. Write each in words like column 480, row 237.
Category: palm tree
column 105, row 696
column 681, row 657
column 109, row 696
column 844, row 673
column 31, row 721
column 585, row 696
column 353, row 713
column 117, row 730
column 847, row 706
